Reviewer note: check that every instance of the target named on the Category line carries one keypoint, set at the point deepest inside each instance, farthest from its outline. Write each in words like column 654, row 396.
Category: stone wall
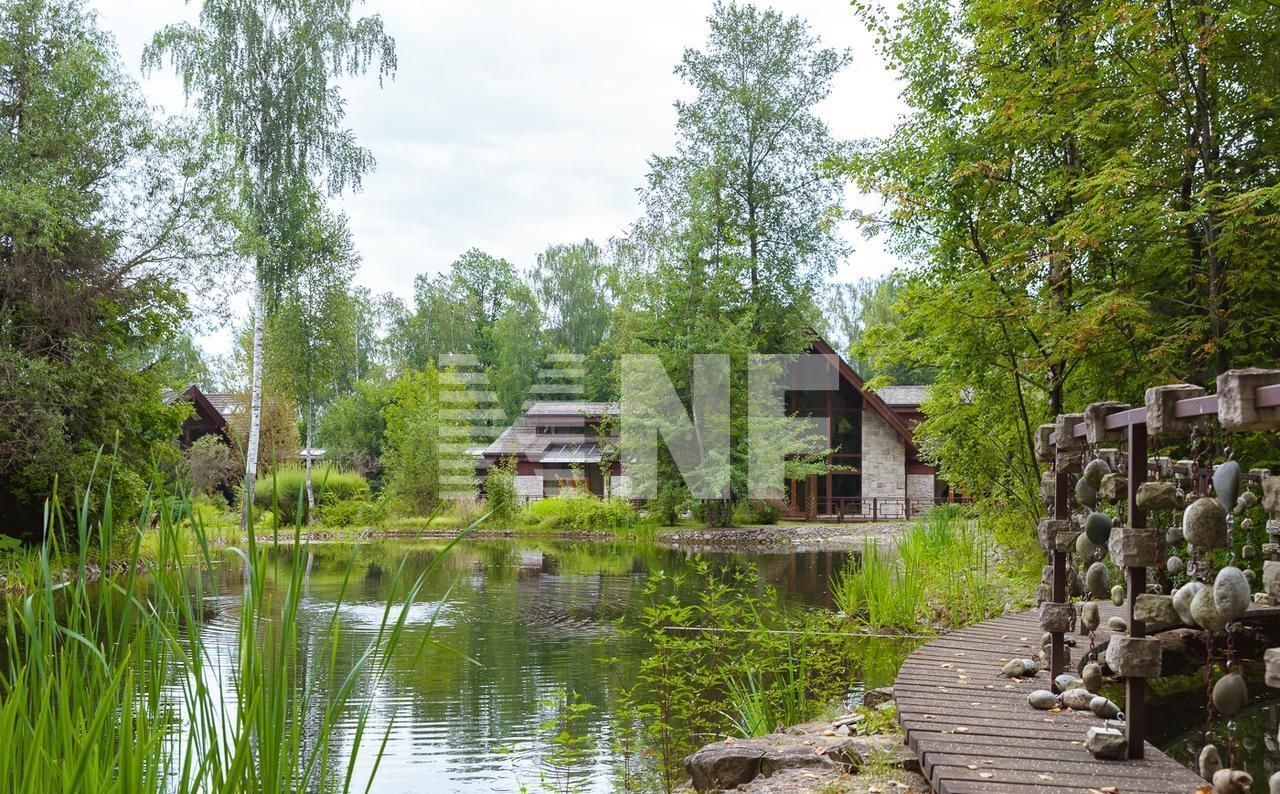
column 920, row 490
column 884, row 464
column 529, row 486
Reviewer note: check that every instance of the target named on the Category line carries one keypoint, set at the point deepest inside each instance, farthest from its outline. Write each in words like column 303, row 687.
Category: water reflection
column 1248, row 742
column 538, row 619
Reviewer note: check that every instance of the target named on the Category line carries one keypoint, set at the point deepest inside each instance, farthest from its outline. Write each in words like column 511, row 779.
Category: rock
column 1094, row 471
column 1238, row 409
column 1174, row 565
column 1042, row 699
column 1114, row 488
column 1272, row 659
column 1117, row 595
column 1097, row 580
column 1085, row 548
column 786, row 781
column 1182, row 601
column 1116, row 625
column 1230, row 695
column 1204, row 524
column 1247, row 552
column 1271, row 577
column 1098, row 527
column 1077, row 699
column 874, row 698
column 1077, row 585
column 1226, row 484
column 1090, row 616
column 1156, row 611
column 1106, row 743
column 1092, row 677
column 1251, row 575
column 1210, row 762
column 1134, row 657
column 1156, row 496
column 1231, row 593
column 725, row 766
column 1086, row 493
column 1067, row 681
column 1274, row 783
column 1048, row 482
column 1018, row 668
column 1056, row 617
column 1232, row 781
column 1205, row 613
column 1161, row 403
column 1104, row 709
column 1173, row 536
column 1136, row 547
column 1250, row 498
column 1271, row 495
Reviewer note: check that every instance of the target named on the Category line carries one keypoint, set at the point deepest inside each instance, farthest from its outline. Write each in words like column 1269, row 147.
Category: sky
column 512, row 125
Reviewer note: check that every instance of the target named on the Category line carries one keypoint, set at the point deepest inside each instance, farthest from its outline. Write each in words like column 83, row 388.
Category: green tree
column 105, row 214
column 311, row 334
column 1086, row 186
column 425, row 440
column 753, row 143
column 353, row 426
column 264, row 71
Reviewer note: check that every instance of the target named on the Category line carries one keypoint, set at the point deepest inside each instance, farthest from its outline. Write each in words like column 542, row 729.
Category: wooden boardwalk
column 974, row 732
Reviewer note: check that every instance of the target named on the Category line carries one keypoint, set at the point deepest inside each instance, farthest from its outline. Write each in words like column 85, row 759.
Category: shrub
column 500, row 492
column 758, row 511
column 281, row 489
column 580, row 512
column 213, row 464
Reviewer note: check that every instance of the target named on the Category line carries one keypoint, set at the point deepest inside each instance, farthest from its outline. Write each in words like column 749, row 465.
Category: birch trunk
column 255, row 405
column 311, row 497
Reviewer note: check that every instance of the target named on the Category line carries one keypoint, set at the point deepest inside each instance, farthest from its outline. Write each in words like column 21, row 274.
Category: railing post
column 875, row 508
column 1136, row 581
column 1058, row 579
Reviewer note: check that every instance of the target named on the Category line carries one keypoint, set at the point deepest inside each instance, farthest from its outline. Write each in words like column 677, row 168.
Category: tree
column 312, row 332
column 353, row 426
column 1084, row 187
column 425, row 445
column 105, row 214
column 863, row 319
column 264, row 72
column 752, row 139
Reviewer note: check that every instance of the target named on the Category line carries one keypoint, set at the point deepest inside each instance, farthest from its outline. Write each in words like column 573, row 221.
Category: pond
column 526, row 622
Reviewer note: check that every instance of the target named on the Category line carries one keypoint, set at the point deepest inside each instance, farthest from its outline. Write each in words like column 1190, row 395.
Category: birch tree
column 264, row 71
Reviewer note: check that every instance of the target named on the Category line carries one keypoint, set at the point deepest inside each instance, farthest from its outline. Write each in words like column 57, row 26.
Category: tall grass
column 112, row 688
column 284, row 490
column 936, row 574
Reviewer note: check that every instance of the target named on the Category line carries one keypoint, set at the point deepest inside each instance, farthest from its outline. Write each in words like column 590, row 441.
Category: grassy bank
column 108, row 686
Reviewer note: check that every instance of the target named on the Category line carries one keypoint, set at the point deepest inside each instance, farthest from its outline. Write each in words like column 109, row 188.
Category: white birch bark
column 255, row 404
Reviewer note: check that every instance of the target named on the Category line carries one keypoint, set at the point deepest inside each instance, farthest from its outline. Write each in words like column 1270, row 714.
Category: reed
column 110, row 687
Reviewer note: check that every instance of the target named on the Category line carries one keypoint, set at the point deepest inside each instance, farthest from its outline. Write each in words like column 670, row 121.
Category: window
column 846, row 433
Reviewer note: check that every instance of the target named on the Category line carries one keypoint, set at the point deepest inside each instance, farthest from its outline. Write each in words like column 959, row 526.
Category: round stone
column 1097, row 580
column 1231, row 594
column 1085, row 548
column 1174, row 565
column 1248, row 552
column 1230, row 695
column 1182, row 598
column 1210, row 762
column 1103, row 708
column 1204, row 613
column 1092, row 677
column 1173, row 536
column 1094, row 471
column 1116, row 625
column 1117, row 595
column 1042, row 699
column 1226, row 484
column 1067, row 681
column 1077, row 699
column 1090, row 617
column 1204, row 524
column 1098, row 527
column 1086, row 494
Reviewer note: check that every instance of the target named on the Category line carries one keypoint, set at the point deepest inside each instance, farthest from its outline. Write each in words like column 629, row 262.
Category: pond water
column 528, row 621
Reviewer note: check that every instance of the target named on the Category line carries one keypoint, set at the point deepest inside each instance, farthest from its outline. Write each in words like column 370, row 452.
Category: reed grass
column 110, row 687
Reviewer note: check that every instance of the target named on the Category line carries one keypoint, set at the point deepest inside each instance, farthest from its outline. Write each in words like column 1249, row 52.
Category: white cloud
column 512, row 125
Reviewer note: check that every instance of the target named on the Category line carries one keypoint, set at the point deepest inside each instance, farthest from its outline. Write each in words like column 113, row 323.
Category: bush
column 213, row 464
column 580, row 512
column 500, row 492
column 356, row 511
column 280, row 490
column 757, row 511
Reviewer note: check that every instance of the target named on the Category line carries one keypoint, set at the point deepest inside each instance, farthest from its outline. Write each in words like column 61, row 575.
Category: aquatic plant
column 111, row 687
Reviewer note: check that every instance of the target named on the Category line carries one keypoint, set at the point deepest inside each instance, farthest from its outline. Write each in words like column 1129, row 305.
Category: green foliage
column 87, row 672
column 280, row 490
column 936, row 574
column 103, row 213
column 213, row 465
column 758, row 511
column 500, row 493
column 353, row 427
column 580, row 512
column 415, row 456
column 564, row 731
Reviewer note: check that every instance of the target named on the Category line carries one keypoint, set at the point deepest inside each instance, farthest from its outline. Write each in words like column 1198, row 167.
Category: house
column 556, row 444
column 210, row 414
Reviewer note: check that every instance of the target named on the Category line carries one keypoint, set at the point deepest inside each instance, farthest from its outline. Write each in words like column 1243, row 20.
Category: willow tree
column 264, row 71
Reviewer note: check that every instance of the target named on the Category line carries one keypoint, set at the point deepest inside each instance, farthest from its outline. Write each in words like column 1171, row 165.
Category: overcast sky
column 511, row 125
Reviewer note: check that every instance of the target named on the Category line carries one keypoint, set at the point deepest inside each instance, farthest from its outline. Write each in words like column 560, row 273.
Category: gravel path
column 788, row 537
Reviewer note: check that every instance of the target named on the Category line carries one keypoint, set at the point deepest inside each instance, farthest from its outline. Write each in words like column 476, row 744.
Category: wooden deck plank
column 974, row 732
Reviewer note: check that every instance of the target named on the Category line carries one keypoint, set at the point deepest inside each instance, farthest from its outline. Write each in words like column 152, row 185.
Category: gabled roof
column 819, row 345
column 205, row 407
column 902, row 396
column 571, row 408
